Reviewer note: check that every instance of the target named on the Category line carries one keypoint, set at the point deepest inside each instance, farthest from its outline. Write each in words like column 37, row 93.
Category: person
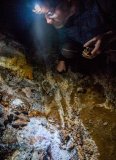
column 86, row 29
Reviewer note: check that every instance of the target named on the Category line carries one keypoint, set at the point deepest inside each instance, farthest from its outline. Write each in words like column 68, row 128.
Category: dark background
column 16, row 18
column 26, row 27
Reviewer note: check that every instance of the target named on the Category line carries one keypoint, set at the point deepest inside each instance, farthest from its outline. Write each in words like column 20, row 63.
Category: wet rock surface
column 53, row 116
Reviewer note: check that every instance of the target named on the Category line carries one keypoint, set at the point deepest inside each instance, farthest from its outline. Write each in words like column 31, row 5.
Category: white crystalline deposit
column 17, row 102
column 39, row 134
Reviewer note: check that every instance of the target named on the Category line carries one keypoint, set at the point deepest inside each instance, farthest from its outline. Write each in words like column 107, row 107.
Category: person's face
column 56, row 17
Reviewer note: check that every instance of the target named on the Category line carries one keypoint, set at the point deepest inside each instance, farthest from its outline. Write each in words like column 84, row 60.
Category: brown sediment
column 101, row 124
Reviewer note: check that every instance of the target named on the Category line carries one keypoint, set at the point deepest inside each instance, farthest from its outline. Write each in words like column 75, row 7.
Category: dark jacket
column 93, row 18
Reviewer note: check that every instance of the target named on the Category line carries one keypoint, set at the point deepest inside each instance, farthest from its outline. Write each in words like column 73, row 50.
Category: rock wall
column 48, row 117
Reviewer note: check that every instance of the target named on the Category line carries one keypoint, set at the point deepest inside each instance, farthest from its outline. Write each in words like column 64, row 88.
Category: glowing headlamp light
column 37, row 9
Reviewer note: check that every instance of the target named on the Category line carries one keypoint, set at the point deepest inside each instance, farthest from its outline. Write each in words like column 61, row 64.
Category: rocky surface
column 48, row 116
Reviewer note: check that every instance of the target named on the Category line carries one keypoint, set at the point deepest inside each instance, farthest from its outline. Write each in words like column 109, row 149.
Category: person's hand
column 95, row 47
column 61, row 67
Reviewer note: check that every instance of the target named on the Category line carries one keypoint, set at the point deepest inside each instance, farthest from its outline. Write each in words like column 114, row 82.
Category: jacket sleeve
column 108, row 9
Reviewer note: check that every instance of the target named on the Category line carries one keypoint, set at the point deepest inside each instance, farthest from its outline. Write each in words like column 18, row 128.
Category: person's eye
column 50, row 14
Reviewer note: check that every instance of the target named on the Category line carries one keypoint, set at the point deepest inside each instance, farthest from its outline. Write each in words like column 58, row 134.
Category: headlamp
column 37, row 9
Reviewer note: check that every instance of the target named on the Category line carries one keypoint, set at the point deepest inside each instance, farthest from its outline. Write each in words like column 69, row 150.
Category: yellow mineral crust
column 18, row 64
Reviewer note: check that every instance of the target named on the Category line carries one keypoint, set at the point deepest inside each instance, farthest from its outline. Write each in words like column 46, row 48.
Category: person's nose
column 49, row 21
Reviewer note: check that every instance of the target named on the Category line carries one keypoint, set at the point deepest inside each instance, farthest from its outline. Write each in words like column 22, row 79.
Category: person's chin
column 58, row 26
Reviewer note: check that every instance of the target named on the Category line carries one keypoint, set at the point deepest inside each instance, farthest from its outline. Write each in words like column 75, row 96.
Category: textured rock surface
column 12, row 57
column 56, row 117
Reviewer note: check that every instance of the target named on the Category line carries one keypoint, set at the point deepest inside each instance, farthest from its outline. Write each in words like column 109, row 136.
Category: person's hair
column 63, row 4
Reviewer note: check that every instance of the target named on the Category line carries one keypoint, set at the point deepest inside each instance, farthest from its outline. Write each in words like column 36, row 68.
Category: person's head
column 56, row 11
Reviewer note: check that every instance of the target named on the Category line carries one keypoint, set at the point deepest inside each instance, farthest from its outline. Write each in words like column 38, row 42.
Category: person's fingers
column 96, row 50
column 87, row 44
column 88, row 56
column 61, row 66
column 85, row 56
column 61, row 69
